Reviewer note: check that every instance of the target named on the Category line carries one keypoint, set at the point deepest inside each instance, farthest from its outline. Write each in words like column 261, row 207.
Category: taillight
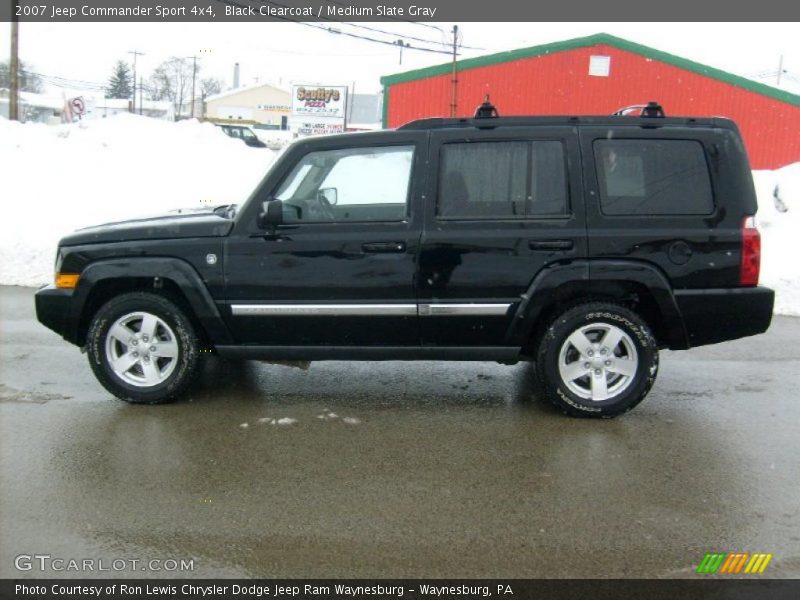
column 751, row 252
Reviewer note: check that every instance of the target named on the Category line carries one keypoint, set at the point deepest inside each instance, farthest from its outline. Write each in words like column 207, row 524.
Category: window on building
column 653, row 177
column 520, row 179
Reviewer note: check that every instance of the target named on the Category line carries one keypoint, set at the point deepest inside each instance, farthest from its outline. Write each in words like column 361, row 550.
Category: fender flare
column 588, row 276
column 178, row 271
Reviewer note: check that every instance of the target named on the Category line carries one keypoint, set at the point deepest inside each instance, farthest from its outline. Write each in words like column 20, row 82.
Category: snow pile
column 57, row 179
column 779, row 223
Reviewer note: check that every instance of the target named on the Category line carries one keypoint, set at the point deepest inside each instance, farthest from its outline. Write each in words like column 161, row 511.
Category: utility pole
column 454, row 81
column 13, row 96
column 136, row 54
column 780, row 71
column 402, row 45
column 140, row 92
column 194, row 75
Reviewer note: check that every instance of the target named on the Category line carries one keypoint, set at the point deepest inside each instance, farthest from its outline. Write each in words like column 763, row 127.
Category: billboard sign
column 319, row 101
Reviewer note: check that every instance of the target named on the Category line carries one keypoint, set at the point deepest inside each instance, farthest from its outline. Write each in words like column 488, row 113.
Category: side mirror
column 330, row 195
column 271, row 214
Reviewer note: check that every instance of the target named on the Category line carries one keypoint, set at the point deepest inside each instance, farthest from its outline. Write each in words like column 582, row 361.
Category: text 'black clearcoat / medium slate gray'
column 584, row 244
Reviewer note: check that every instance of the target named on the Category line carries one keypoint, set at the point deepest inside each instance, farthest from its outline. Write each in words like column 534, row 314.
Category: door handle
column 551, row 244
column 384, row 247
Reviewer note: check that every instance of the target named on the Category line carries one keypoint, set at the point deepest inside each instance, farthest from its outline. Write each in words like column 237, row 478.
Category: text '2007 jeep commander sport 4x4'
column 584, row 244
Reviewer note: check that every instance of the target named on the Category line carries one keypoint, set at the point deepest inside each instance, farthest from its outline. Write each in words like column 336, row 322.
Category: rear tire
column 596, row 360
column 142, row 348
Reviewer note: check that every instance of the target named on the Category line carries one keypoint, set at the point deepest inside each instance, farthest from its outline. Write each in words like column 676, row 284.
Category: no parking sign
column 73, row 107
column 78, row 106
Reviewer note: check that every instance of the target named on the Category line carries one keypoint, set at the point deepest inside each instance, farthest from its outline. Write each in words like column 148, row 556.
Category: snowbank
column 56, row 179
column 779, row 222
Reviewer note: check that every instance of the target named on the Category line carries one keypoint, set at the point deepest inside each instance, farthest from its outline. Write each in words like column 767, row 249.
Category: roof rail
column 651, row 110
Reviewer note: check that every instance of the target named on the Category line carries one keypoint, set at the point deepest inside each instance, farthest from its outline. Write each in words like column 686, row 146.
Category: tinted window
column 653, row 177
column 353, row 184
column 502, row 179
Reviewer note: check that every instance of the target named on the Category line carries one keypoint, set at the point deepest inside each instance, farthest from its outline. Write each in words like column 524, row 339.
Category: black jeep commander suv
column 584, row 244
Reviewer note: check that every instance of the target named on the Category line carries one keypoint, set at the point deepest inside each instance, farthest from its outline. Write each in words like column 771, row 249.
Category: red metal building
column 598, row 75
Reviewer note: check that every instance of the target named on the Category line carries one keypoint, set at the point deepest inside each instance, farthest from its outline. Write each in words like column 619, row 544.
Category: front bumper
column 54, row 311
column 720, row 315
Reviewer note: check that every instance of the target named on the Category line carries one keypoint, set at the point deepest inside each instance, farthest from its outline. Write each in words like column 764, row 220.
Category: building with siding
column 264, row 105
column 600, row 74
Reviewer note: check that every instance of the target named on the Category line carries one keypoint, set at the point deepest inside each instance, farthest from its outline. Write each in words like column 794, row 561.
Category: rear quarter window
column 653, row 177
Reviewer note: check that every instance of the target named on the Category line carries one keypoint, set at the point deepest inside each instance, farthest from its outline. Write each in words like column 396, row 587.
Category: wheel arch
column 170, row 277
column 636, row 285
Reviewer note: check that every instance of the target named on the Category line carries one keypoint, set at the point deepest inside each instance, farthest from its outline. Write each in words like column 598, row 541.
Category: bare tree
column 208, row 87
column 28, row 82
column 172, row 80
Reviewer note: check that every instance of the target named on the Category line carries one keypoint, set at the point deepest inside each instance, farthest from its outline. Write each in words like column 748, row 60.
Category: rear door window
column 653, row 177
column 502, row 180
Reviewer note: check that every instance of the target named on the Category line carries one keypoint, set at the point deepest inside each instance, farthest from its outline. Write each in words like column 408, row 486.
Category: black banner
column 393, row 10
column 467, row 589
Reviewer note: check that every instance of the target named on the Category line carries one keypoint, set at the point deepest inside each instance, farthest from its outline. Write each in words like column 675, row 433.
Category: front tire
column 597, row 360
column 142, row 348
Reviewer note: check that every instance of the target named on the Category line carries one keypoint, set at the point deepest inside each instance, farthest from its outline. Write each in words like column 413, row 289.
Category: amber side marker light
column 67, row 280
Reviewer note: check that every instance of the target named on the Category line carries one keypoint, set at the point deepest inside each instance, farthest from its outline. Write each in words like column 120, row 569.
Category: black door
column 340, row 271
column 502, row 207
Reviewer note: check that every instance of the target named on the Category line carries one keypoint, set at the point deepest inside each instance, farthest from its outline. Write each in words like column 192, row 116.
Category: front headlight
column 64, row 281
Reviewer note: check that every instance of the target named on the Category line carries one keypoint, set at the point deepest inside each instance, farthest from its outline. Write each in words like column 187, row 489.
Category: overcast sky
column 286, row 52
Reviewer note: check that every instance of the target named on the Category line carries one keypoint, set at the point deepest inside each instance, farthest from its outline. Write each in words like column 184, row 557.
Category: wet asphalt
column 397, row 469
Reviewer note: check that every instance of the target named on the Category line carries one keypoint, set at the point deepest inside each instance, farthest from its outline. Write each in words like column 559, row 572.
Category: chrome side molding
column 386, row 310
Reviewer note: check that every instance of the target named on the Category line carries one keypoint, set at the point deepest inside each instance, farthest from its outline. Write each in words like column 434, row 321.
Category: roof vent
column 486, row 110
column 651, row 110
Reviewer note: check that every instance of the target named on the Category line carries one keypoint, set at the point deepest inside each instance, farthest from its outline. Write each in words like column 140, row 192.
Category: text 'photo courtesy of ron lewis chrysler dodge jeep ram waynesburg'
column 582, row 244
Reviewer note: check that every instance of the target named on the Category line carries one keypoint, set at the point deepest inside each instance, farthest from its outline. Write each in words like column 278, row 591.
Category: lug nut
column 135, row 355
column 602, row 350
column 597, row 371
column 146, row 358
column 152, row 348
column 144, row 338
column 608, row 363
column 590, row 353
column 587, row 365
column 134, row 342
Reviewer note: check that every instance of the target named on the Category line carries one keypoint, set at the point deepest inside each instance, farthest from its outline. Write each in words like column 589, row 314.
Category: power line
column 63, row 82
column 399, row 19
column 333, row 30
column 443, row 42
column 369, row 39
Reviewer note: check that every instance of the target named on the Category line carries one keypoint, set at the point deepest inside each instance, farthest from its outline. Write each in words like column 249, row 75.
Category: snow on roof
column 41, row 100
column 122, row 103
column 246, row 88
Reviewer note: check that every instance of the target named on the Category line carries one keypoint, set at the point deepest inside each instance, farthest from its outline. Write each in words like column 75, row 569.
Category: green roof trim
column 583, row 42
column 385, row 107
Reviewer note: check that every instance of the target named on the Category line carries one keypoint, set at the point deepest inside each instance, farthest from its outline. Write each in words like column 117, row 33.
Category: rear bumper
column 53, row 309
column 719, row 315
